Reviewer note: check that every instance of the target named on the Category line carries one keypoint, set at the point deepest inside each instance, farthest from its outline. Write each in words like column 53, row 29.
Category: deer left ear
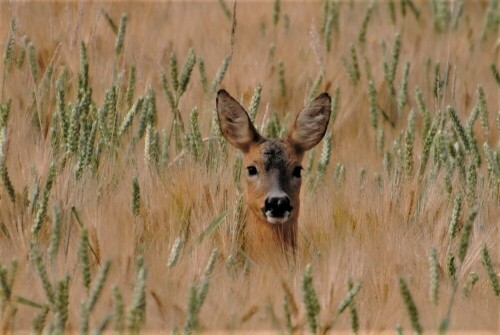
column 234, row 122
column 311, row 123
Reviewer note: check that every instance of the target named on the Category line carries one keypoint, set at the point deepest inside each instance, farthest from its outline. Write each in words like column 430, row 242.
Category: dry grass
column 360, row 230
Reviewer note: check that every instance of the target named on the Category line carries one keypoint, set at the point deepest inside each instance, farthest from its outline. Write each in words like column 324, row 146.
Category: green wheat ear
column 496, row 73
column 372, row 100
column 325, row 156
column 33, row 62
column 55, row 237
column 353, row 289
column 42, row 208
column 121, row 34
column 335, row 105
column 131, row 86
column 203, row 75
column 457, row 207
column 409, row 137
column 221, row 72
column 434, row 277
column 403, row 89
column 175, row 252
column 37, row 259
column 255, row 102
column 466, row 232
column 366, row 21
column 4, row 174
column 391, row 7
column 458, row 126
column 310, row 299
column 471, row 183
column 428, row 141
column 186, row 72
column 194, row 139
column 424, row 112
column 61, row 305
column 136, row 313
column 392, row 67
column 380, row 139
column 349, row 298
column 410, row 306
column 118, row 310
column 483, row 109
column 83, row 256
column 276, row 12
column 352, row 68
column 315, row 86
column 472, row 279
column 197, row 297
column 136, row 197
column 8, row 54
column 492, row 164
column 488, row 265
column 451, row 267
column 38, row 323
column 282, row 81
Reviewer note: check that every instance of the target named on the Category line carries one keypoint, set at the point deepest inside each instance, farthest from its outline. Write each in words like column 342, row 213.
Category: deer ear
column 235, row 124
column 311, row 123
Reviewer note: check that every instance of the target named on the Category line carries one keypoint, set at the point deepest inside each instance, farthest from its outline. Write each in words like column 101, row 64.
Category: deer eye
column 252, row 170
column 297, row 171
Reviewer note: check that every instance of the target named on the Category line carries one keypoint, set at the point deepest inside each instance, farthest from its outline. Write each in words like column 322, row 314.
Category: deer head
column 274, row 165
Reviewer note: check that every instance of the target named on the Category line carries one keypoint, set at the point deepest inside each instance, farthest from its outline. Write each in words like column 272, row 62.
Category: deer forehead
column 274, row 154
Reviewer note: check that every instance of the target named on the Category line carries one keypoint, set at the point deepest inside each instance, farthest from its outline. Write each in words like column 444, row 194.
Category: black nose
column 278, row 205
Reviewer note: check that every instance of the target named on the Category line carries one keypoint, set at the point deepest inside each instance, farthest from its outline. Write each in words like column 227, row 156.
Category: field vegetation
column 121, row 205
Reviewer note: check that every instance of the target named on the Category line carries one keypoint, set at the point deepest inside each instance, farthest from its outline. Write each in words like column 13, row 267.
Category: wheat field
column 119, row 199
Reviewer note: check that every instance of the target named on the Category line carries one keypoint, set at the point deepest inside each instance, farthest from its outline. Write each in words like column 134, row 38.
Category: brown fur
column 275, row 162
column 260, row 235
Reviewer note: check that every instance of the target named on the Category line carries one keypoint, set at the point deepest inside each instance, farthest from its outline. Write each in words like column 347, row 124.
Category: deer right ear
column 234, row 122
column 311, row 123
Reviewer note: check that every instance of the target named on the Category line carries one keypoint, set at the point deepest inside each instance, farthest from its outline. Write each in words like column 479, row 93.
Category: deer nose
column 277, row 206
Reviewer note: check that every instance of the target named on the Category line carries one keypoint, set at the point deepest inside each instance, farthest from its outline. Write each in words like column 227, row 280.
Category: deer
column 273, row 170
